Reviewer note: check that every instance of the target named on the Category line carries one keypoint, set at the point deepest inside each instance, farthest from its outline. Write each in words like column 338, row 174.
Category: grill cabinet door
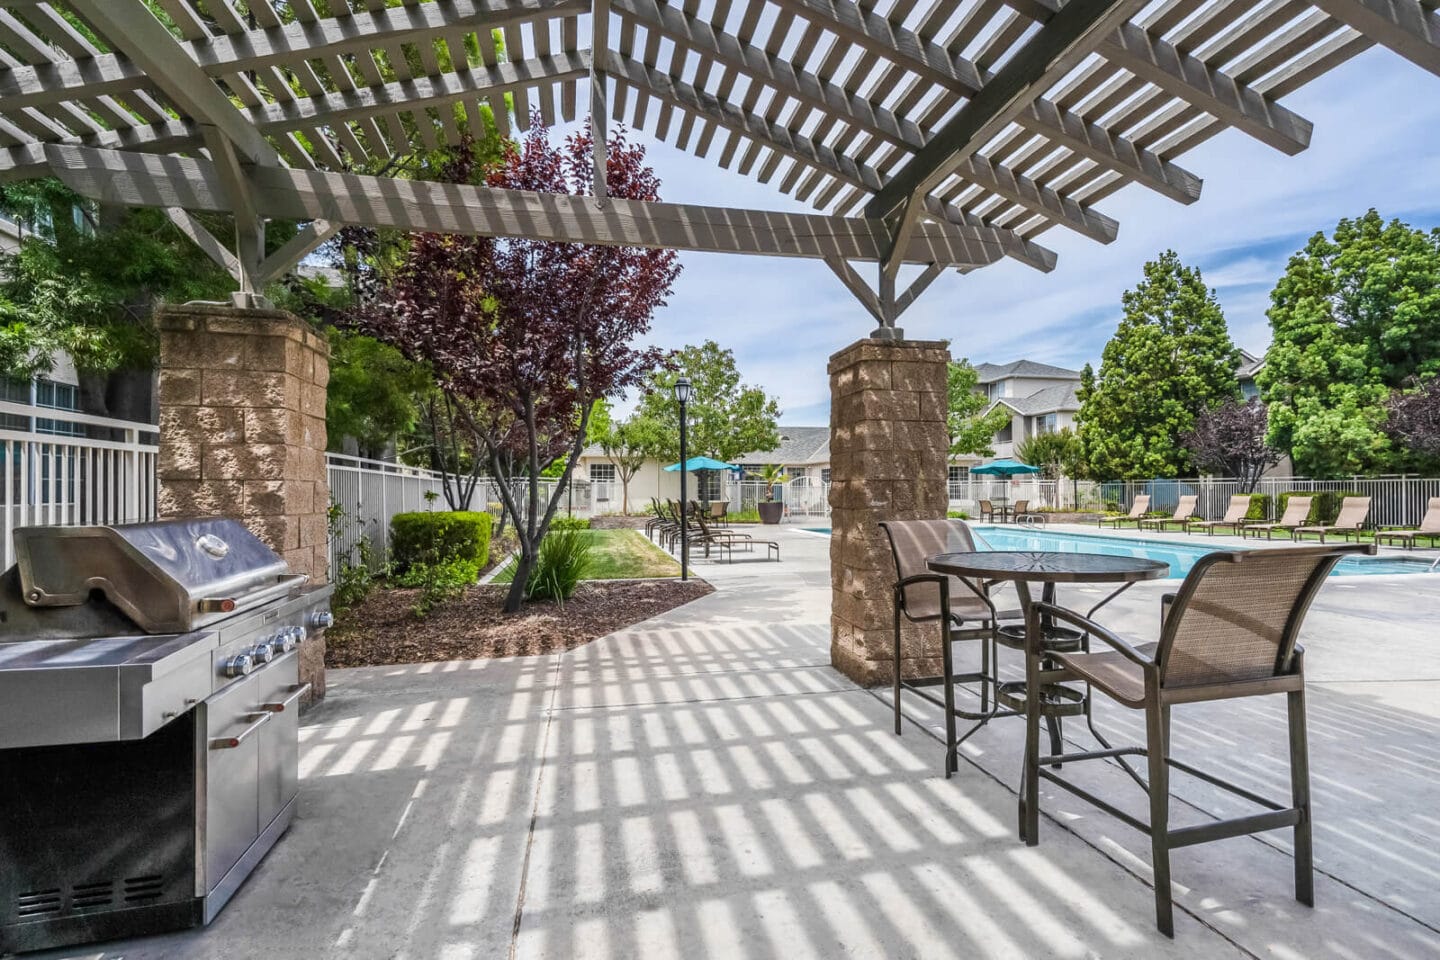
column 279, row 739
column 232, row 795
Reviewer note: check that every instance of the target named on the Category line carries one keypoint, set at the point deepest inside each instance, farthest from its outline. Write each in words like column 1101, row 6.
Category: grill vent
column 99, row 894
column 37, row 902
column 140, row 889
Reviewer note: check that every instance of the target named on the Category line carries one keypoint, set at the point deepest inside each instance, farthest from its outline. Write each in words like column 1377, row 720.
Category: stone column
column 242, row 433
column 888, row 461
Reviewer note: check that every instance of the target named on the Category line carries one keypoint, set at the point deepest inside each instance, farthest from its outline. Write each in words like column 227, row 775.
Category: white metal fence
column 59, row 467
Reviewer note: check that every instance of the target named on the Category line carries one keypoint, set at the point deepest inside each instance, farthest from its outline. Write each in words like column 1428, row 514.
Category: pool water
column 1180, row 556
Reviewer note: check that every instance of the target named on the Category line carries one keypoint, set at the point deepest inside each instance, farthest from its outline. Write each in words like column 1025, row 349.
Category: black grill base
column 97, row 841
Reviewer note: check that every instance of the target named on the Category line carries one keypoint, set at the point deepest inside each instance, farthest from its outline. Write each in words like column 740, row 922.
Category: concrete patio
column 705, row 785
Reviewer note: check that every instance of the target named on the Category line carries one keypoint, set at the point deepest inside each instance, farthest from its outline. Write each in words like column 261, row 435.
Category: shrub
column 357, row 570
column 432, row 538
column 958, row 515
column 569, row 523
column 1325, row 506
column 1259, row 507
column 438, row 582
column 558, row 569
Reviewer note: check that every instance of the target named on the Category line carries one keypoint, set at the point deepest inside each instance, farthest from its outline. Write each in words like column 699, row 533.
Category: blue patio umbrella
column 1004, row 468
column 701, row 463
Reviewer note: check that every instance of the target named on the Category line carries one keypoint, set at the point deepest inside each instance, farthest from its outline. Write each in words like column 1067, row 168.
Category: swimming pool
column 1180, row 556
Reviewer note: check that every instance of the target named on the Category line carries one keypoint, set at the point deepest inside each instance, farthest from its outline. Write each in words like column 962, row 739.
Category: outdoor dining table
column 1040, row 695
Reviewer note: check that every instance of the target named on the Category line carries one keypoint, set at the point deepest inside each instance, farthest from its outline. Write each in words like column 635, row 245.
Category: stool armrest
column 1090, row 626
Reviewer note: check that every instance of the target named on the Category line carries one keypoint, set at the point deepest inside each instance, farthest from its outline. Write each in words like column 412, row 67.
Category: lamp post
column 682, row 394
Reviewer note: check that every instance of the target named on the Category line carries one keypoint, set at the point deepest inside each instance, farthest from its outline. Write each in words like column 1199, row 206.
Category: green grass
column 618, row 555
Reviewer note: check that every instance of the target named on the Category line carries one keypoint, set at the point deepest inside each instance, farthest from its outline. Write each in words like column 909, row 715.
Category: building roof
column 1249, row 365
column 1030, row 369
column 950, row 134
column 1050, row 400
column 798, row 445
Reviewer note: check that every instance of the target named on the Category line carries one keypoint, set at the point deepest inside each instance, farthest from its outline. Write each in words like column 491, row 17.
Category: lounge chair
column 1184, row 513
column 1429, row 528
column 1352, row 516
column 1136, row 514
column 727, row 540
column 1296, row 510
column 1230, row 632
column 1234, row 516
column 963, row 612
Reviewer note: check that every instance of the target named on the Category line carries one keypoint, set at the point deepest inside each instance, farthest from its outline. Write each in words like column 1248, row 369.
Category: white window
column 959, row 474
column 1045, row 423
column 824, row 474
column 602, row 473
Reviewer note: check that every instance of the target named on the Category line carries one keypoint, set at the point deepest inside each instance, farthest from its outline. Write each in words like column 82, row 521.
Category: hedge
column 438, row 537
column 1259, row 507
column 1325, row 506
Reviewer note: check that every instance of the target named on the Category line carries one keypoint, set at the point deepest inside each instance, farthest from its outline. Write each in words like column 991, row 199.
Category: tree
column 1055, row 453
column 971, row 429
column 770, row 475
column 1231, row 440
column 724, row 417
column 1414, row 421
column 525, row 334
column 1170, row 359
column 1353, row 319
column 375, row 393
column 627, row 445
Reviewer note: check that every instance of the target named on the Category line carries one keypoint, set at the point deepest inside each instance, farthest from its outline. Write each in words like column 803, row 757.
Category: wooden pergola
column 944, row 133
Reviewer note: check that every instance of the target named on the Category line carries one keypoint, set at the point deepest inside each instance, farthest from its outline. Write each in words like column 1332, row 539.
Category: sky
column 1376, row 144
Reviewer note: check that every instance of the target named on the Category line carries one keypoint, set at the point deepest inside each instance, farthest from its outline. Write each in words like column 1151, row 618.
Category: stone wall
column 242, row 433
column 888, row 445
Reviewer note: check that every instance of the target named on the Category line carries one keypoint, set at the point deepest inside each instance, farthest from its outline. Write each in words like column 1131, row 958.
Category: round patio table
column 1041, row 694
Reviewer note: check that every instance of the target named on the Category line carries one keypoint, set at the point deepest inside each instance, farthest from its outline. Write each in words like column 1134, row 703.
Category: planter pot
column 771, row 511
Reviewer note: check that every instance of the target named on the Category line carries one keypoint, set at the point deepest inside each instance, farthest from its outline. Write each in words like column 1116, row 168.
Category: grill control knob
column 321, row 619
column 239, row 666
column 263, row 653
column 287, row 639
column 300, row 634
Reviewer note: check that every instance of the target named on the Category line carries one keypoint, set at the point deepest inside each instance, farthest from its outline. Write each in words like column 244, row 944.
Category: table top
column 1044, row 566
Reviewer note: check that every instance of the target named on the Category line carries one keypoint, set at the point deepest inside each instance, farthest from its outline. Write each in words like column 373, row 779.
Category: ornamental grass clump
column 560, row 565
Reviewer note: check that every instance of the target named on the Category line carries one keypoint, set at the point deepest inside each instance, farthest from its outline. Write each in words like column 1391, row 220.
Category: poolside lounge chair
column 1137, row 512
column 1234, row 516
column 1296, row 510
column 1429, row 528
column 1184, row 513
column 727, row 540
column 1230, row 632
column 962, row 611
column 1353, row 513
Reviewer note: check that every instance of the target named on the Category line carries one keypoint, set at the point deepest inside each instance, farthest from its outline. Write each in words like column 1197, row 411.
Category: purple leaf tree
column 526, row 335
column 1414, row 421
column 1230, row 440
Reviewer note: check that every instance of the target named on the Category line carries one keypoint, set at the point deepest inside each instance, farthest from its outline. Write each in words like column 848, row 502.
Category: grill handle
column 255, row 598
column 230, row 743
column 289, row 701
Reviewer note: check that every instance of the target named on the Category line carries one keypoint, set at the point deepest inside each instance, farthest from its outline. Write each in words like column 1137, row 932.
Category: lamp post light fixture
column 682, row 395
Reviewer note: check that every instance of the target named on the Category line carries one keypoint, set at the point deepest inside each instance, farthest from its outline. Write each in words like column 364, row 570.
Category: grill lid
column 171, row 576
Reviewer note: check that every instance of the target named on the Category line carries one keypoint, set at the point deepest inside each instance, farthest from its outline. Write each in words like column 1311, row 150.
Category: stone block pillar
column 242, row 433
column 888, row 461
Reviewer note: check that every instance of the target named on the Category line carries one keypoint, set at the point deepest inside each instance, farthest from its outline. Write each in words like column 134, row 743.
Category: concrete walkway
column 704, row 785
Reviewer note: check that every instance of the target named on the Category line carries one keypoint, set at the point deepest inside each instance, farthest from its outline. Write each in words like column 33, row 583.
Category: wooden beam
column 932, row 62
column 782, row 140
column 854, row 110
column 204, row 239
column 857, row 287
column 1404, row 26
column 599, row 119
column 118, row 177
column 1068, row 37
column 917, row 286
column 132, row 28
column 234, row 183
column 297, row 248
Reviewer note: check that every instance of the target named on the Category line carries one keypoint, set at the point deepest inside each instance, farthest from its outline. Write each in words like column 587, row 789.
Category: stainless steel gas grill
column 149, row 691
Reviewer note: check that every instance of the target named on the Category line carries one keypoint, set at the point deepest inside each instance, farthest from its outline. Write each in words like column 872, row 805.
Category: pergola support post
column 242, row 434
column 888, row 461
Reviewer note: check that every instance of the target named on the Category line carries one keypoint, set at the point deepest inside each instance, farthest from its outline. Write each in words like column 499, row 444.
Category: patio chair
column 986, row 511
column 1184, row 513
column 727, row 540
column 1296, row 510
column 1429, row 528
column 1020, row 507
column 1234, row 516
column 719, row 512
column 1230, row 632
column 1352, row 516
column 964, row 612
column 1136, row 514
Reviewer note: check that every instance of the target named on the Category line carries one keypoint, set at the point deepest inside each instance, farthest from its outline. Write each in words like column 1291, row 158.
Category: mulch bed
column 384, row 630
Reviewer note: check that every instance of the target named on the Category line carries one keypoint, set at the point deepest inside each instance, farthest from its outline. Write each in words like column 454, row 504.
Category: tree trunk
column 524, row 563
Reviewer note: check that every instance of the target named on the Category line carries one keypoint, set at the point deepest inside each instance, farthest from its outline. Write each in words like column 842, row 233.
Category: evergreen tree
column 1170, row 360
column 1354, row 318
